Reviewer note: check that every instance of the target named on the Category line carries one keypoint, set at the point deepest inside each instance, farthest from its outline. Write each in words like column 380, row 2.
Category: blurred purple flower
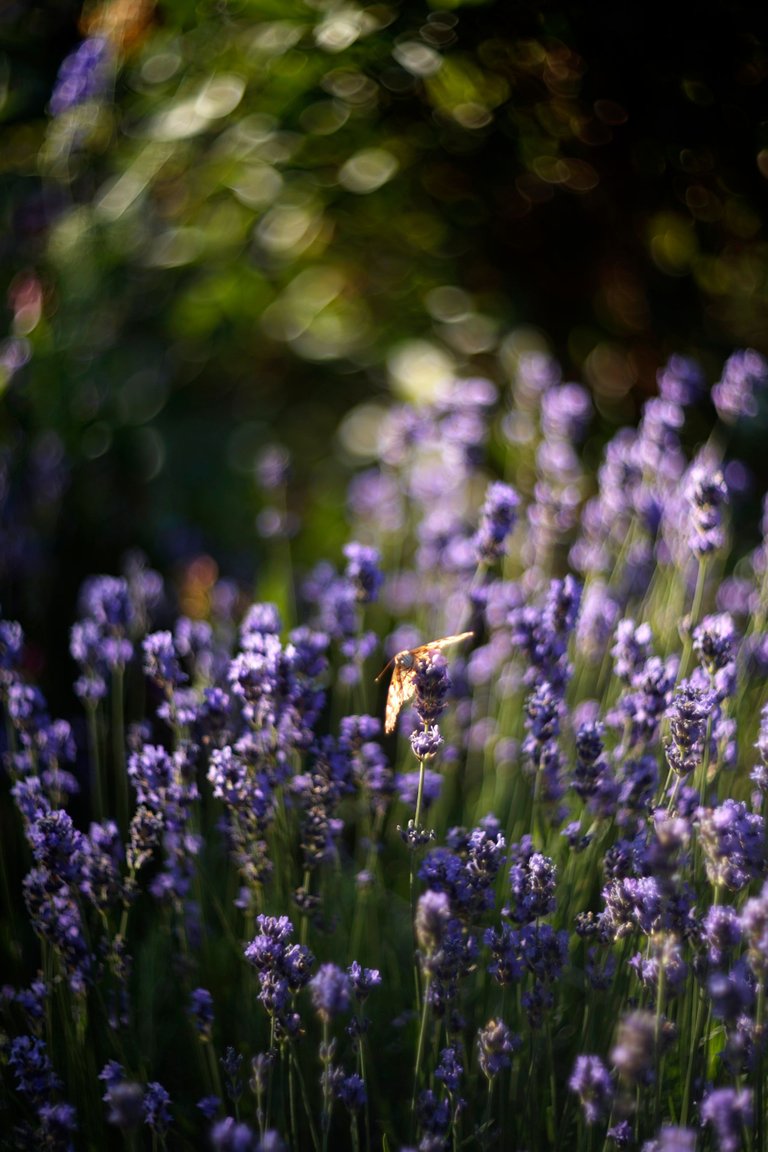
column 83, row 76
column 161, row 661
column 566, row 410
column 433, row 914
column 714, row 640
column 363, row 571
column 34, row 1076
column 728, row 1110
column 633, row 1054
column 632, row 903
column 733, row 840
column 721, row 932
column 449, row 1069
column 350, row 1091
column 672, row 1139
column 230, row 1135
column 330, row 990
column 744, row 377
column 681, row 380
column 754, row 924
column 497, row 520
column 687, row 715
column 209, row 1106
column 706, row 492
column 407, row 784
column 201, row 1011
column 532, row 882
column 495, row 1046
column 157, row 1110
column 592, row 1083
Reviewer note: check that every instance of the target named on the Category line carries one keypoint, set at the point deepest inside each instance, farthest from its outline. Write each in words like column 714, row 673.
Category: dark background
column 594, row 171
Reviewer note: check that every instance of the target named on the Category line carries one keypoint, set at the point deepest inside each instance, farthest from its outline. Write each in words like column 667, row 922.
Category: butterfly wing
column 400, row 689
column 438, row 645
column 401, row 686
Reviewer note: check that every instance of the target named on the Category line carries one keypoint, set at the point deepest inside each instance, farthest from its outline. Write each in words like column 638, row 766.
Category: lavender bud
column 495, row 1045
column 433, row 913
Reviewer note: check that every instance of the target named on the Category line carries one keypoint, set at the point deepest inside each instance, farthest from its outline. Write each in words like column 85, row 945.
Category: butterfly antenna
column 386, row 668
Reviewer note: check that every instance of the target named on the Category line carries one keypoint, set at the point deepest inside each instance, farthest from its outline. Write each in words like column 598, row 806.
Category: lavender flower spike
column 497, row 520
column 727, row 1109
column 592, row 1083
column 707, row 493
column 330, row 989
column 745, row 375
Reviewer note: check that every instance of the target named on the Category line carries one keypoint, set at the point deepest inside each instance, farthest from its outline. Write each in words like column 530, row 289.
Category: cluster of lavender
column 239, row 915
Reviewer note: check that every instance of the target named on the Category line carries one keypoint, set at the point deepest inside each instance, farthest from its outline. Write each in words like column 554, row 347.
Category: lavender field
column 383, row 576
column 241, row 916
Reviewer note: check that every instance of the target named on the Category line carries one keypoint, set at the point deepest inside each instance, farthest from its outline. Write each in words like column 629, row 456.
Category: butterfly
column 403, row 665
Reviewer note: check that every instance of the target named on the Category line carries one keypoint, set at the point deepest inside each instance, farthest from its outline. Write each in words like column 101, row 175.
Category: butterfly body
column 403, row 682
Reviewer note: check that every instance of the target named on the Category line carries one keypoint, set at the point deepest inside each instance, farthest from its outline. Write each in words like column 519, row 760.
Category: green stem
column 412, row 870
column 419, row 796
column 326, row 1083
column 361, row 1069
column 420, row 1045
column 270, row 1077
column 760, row 1125
column 292, row 1105
column 363, row 891
column 118, row 748
column 552, row 1085
column 698, row 597
column 97, row 792
column 304, row 932
column 660, row 994
column 694, row 1044
column 305, row 1100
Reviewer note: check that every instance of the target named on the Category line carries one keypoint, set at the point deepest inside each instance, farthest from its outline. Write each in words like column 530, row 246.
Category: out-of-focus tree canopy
column 227, row 223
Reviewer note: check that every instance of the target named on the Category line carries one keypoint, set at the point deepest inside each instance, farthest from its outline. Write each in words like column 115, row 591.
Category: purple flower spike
column 495, row 1046
column 83, row 75
column 431, row 684
column 362, row 980
column 201, row 1010
column 727, row 1110
column 681, row 381
column 745, row 375
column 754, row 923
column 363, row 571
column 633, row 1054
column 230, row 1135
column 433, row 914
column 707, row 493
column 330, row 990
column 672, row 1139
column 161, row 662
column 687, row 717
column 497, row 520
column 157, row 1111
column 284, row 968
column 591, row 1082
